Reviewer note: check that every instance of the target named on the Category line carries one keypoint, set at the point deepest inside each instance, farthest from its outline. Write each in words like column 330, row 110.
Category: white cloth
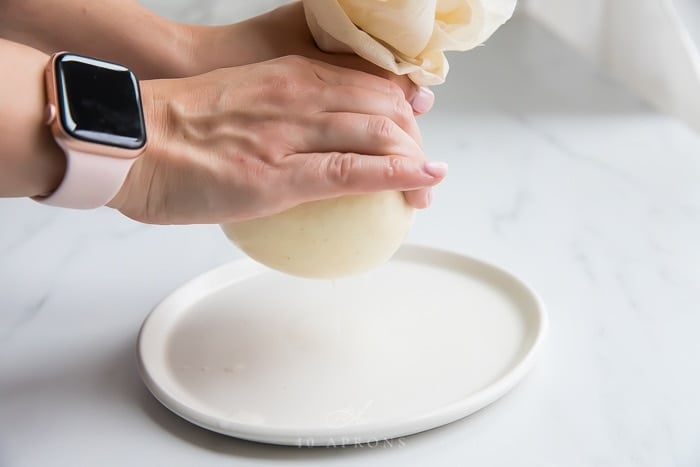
column 646, row 44
column 405, row 36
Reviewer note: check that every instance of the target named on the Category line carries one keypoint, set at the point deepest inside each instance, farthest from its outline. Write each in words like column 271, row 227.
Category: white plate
column 426, row 339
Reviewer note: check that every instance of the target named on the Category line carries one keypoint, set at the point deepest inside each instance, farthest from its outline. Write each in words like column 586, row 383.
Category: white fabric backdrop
column 646, row 44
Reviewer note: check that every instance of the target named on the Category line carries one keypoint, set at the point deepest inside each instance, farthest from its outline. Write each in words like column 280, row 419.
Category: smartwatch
column 95, row 114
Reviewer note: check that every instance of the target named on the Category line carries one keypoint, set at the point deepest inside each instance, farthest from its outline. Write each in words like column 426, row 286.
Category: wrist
column 32, row 163
column 174, row 54
column 101, row 136
column 50, row 167
column 43, row 168
column 214, row 47
column 46, row 164
column 183, row 51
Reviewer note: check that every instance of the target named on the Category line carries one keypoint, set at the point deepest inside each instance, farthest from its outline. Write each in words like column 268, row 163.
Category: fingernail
column 423, row 100
column 435, row 169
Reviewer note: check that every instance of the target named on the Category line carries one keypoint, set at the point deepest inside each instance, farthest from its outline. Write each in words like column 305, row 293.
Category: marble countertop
column 557, row 173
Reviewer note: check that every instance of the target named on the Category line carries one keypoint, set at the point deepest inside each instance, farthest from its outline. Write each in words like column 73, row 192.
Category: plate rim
column 383, row 430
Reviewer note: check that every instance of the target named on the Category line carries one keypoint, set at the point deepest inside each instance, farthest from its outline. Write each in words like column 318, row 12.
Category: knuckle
column 402, row 109
column 392, row 167
column 294, row 60
column 380, row 127
column 394, row 90
column 281, row 83
column 289, row 75
column 340, row 168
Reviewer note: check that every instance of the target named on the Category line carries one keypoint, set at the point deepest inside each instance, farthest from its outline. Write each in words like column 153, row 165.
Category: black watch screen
column 99, row 102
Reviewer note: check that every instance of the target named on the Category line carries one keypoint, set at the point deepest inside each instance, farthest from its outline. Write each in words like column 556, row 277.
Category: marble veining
column 556, row 172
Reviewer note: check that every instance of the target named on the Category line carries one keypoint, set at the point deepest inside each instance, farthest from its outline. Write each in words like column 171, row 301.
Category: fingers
column 319, row 176
column 371, row 134
column 346, row 74
column 371, row 102
column 355, row 71
column 419, row 199
column 423, row 197
column 421, row 98
column 384, row 105
column 408, row 87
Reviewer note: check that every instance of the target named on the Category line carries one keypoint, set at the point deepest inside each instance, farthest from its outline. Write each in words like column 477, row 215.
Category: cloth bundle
column 405, row 36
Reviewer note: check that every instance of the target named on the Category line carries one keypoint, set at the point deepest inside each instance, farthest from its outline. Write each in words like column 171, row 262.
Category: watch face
column 99, row 102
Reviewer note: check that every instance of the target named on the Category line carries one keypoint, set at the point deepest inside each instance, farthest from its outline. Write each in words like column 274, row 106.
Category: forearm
column 276, row 33
column 118, row 30
column 31, row 163
column 125, row 32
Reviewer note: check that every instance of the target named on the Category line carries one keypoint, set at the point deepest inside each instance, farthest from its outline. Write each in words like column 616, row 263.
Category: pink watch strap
column 90, row 181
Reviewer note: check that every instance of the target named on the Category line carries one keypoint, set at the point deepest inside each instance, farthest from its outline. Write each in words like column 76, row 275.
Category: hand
column 250, row 141
column 282, row 31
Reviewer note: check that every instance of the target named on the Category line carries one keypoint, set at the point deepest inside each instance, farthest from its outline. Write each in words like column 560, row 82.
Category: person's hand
column 244, row 142
column 282, row 31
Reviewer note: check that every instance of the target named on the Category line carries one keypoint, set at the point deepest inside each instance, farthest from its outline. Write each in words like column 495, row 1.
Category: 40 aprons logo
column 351, row 442
column 346, row 417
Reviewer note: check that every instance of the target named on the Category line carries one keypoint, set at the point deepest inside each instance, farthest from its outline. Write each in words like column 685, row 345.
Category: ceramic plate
column 426, row 339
